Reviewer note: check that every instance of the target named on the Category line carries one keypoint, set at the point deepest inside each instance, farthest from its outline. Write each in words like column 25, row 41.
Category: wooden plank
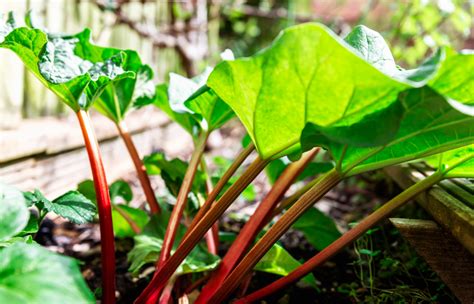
column 453, row 263
column 52, row 135
column 54, row 160
column 453, row 214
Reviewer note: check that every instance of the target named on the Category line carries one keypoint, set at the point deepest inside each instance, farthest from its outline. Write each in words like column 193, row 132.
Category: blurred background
column 185, row 36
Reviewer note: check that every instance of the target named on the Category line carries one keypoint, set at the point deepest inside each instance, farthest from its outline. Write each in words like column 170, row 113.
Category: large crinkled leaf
column 72, row 205
column 32, row 274
column 308, row 74
column 279, row 261
column 429, row 126
column 454, row 79
column 70, row 66
column 347, row 89
column 148, row 246
column 119, row 97
column 14, row 213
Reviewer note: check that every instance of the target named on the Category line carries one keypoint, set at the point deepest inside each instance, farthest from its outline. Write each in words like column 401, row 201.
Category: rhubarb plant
column 451, row 164
column 78, row 72
column 309, row 97
column 378, row 115
column 118, row 99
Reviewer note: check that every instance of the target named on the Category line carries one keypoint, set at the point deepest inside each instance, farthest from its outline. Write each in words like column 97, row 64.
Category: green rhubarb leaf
column 70, row 66
column 172, row 172
column 120, row 195
column 27, row 239
column 453, row 80
column 14, row 213
column 456, row 163
column 430, row 125
column 348, row 91
column 192, row 99
column 120, row 190
column 308, row 74
column 209, row 109
column 122, row 228
column 372, row 47
column 31, row 227
column 32, row 274
column 118, row 98
column 319, row 229
column 184, row 119
column 148, row 246
column 279, row 261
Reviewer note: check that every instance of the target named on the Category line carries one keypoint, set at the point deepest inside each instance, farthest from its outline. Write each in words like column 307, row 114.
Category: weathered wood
column 54, row 160
column 448, row 209
column 51, row 135
column 453, row 263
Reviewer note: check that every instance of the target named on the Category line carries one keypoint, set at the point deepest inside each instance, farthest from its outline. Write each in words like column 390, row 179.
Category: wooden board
column 445, row 255
column 448, row 203
column 50, row 156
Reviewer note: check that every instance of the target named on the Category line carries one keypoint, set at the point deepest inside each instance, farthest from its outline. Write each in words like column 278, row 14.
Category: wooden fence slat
column 451, row 261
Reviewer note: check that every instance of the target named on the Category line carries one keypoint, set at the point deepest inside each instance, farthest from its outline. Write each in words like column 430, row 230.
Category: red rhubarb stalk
column 182, row 199
column 105, row 211
column 346, row 239
column 195, row 234
column 139, row 167
column 246, row 265
column 257, row 221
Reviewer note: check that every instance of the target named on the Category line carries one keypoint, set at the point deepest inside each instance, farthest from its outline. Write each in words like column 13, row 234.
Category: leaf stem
column 212, row 239
column 196, row 232
column 139, row 167
column 259, row 218
column 104, row 207
column 345, row 239
column 329, row 180
column 221, row 183
column 182, row 198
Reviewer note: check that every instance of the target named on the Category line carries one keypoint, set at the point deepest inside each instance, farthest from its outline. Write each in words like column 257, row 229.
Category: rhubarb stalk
column 256, row 222
column 139, row 167
column 103, row 204
column 182, row 199
column 196, row 232
column 232, row 281
column 345, row 239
